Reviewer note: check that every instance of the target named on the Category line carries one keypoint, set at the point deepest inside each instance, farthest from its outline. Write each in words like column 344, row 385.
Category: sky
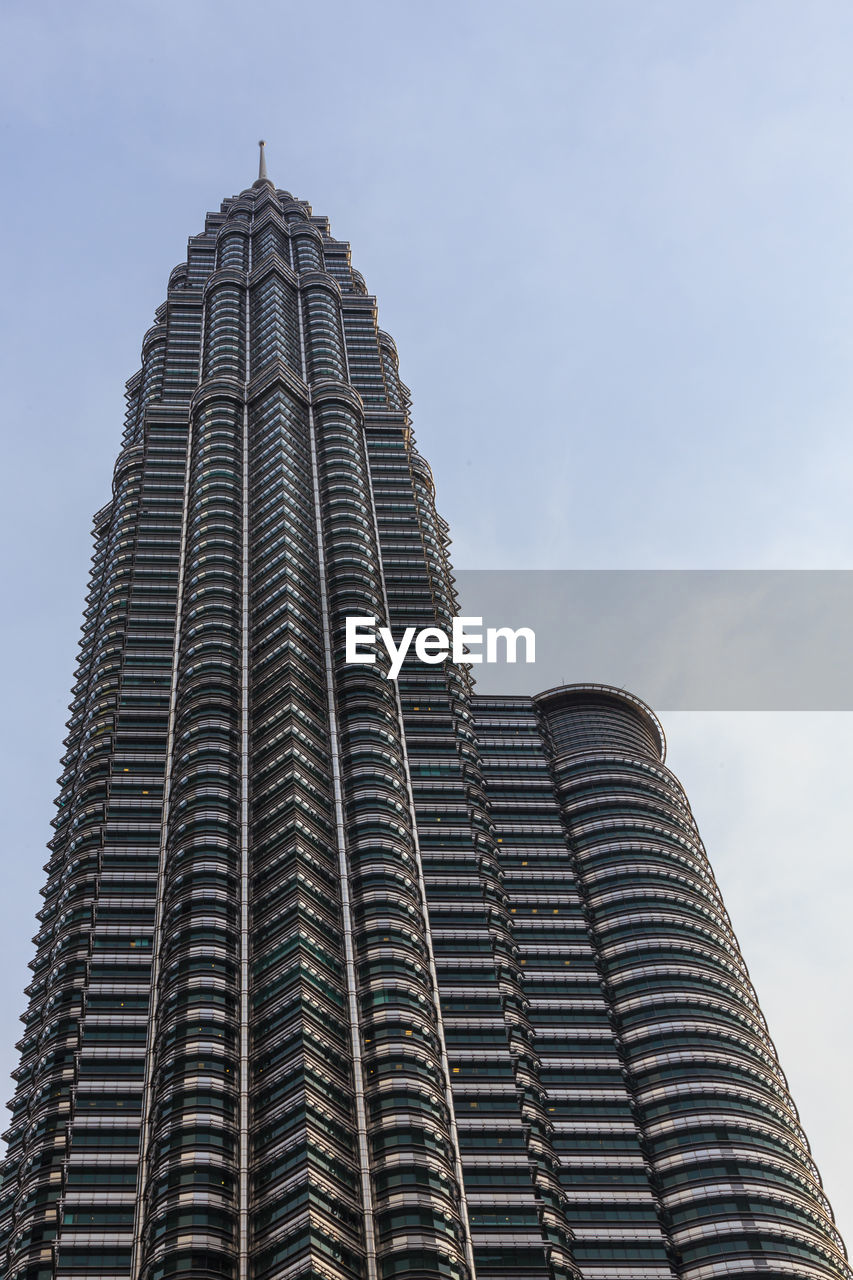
column 614, row 244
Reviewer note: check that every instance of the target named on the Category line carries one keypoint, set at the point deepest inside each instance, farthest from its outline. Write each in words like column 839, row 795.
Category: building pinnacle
column 262, row 164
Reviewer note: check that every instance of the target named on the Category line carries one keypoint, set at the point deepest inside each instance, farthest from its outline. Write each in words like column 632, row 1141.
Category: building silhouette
column 345, row 977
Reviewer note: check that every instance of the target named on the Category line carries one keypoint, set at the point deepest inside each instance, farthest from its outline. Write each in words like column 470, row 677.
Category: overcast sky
column 614, row 243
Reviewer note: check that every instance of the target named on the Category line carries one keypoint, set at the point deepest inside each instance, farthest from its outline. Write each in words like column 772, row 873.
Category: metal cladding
column 343, row 977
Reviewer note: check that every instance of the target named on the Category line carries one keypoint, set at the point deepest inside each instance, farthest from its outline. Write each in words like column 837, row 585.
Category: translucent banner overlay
column 683, row 640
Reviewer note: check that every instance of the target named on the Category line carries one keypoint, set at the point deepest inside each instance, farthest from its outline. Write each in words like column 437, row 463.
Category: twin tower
column 345, row 978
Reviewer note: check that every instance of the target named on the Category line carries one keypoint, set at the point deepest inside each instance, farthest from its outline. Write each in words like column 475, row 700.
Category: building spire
column 263, row 176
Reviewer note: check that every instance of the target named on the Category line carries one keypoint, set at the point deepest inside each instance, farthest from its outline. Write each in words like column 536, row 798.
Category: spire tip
column 262, row 162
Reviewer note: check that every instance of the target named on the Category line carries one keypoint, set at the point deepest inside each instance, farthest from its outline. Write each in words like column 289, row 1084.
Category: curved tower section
column 729, row 1161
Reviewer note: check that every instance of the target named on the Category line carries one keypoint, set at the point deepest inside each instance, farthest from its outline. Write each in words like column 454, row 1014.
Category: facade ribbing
column 344, row 977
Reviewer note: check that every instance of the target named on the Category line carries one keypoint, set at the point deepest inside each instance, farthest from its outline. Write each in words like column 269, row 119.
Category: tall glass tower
column 339, row 976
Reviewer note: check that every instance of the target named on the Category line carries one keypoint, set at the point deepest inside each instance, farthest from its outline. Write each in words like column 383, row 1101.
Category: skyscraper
column 346, row 977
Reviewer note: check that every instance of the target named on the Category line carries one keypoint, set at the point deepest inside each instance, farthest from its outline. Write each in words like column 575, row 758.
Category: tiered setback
column 345, row 978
